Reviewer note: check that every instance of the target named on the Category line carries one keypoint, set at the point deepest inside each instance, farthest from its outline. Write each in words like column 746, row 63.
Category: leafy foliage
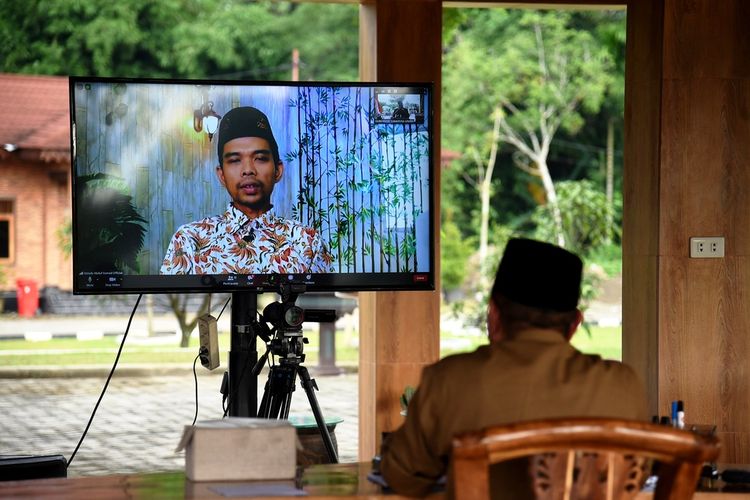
column 499, row 51
column 493, row 64
column 364, row 167
column 517, row 77
column 454, row 255
column 178, row 38
column 64, row 235
column 111, row 231
column 584, row 209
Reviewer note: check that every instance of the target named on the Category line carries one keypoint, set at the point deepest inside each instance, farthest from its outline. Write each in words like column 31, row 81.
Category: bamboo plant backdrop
column 363, row 186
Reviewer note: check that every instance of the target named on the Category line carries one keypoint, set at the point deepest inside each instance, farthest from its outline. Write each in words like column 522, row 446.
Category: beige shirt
column 536, row 375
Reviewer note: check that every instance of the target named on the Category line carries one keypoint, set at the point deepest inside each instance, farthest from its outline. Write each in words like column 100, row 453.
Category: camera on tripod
column 285, row 341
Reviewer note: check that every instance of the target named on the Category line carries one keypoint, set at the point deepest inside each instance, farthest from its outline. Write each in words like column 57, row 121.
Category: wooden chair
column 584, row 458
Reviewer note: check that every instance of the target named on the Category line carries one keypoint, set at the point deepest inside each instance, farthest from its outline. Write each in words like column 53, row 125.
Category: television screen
column 195, row 185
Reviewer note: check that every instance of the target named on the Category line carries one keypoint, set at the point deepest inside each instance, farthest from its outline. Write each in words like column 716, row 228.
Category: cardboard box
column 239, row 449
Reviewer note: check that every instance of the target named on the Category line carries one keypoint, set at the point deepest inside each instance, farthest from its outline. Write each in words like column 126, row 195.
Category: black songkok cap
column 540, row 275
column 245, row 121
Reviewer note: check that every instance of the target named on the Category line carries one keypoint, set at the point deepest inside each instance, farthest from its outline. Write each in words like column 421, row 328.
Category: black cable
column 106, row 383
column 225, row 306
column 237, row 387
column 195, row 376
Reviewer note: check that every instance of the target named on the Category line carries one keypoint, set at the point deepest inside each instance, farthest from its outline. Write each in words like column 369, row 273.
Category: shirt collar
column 266, row 220
column 540, row 335
column 237, row 220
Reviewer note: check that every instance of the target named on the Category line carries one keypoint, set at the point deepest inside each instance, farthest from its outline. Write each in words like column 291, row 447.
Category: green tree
column 454, row 256
column 232, row 39
column 610, row 29
column 329, row 52
column 585, row 215
column 518, row 77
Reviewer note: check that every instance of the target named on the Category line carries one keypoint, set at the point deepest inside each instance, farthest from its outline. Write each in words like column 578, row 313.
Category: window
column 6, row 231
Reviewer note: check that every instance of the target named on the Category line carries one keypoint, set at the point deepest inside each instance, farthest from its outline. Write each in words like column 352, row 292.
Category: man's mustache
column 250, row 183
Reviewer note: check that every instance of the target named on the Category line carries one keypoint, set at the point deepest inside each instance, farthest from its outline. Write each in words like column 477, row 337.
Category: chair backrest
column 591, row 458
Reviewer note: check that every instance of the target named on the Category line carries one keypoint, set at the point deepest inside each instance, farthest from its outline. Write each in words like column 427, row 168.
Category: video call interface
column 333, row 188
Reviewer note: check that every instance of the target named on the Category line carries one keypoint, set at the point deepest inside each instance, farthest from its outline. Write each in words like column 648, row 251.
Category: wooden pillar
column 400, row 41
column 640, row 232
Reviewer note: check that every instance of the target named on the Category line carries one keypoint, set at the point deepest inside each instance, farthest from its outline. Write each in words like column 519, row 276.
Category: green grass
column 69, row 352
column 605, row 341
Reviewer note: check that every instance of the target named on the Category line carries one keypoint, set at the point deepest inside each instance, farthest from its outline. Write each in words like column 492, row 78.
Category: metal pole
column 327, row 350
column 243, row 354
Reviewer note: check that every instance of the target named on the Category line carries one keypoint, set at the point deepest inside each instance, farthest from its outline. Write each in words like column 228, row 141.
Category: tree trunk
column 610, row 174
column 178, row 304
column 549, row 189
column 484, row 221
column 485, row 192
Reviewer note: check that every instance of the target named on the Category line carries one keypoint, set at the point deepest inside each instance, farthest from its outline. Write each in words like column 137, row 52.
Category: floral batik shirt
column 232, row 243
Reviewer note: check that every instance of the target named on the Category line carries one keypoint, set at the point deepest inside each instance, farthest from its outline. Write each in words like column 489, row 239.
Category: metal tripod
column 277, row 397
column 286, row 341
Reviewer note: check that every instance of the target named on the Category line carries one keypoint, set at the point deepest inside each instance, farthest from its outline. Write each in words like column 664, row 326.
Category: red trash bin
column 27, row 294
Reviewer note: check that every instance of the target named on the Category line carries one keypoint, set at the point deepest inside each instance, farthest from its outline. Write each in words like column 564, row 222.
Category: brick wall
column 41, row 199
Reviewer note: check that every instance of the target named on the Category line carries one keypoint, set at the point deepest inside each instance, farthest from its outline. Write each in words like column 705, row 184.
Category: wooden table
column 320, row 482
column 331, row 481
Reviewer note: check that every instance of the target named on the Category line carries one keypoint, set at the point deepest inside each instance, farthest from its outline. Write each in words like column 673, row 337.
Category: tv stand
column 240, row 385
column 243, row 355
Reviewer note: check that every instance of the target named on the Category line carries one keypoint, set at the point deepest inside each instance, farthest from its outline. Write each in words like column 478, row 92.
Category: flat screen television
column 219, row 186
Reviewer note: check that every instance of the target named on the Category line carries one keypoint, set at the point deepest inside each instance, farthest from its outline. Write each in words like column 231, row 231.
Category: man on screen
column 528, row 371
column 248, row 238
column 400, row 113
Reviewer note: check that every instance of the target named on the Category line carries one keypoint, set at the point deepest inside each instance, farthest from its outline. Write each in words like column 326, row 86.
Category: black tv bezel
column 260, row 283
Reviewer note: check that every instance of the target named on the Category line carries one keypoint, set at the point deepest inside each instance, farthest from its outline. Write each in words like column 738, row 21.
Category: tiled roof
column 34, row 114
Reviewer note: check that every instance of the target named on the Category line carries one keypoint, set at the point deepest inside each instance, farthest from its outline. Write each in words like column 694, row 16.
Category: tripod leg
column 309, row 386
column 277, row 395
column 285, row 407
column 265, row 401
column 276, row 405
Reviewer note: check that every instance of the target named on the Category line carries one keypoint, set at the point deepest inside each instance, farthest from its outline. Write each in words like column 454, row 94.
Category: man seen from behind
column 528, row 371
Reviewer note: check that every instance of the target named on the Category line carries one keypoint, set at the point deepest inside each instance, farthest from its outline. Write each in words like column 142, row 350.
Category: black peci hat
column 245, row 121
column 540, row 275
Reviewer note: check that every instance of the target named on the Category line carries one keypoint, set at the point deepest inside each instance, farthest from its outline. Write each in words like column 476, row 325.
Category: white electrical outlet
column 707, row 247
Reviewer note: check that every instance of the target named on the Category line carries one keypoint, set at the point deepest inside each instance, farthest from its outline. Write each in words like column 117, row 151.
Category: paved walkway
column 140, row 420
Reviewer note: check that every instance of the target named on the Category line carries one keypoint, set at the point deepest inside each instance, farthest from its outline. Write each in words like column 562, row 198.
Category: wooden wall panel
column 640, row 235
column 640, row 348
column 686, row 373
column 400, row 331
column 704, row 190
column 704, row 345
column 707, row 39
column 704, row 313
